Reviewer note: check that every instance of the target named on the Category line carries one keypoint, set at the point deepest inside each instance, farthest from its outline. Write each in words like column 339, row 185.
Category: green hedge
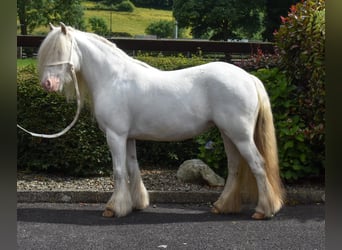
column 300, row 42
column 297, row 159
column 83, row 150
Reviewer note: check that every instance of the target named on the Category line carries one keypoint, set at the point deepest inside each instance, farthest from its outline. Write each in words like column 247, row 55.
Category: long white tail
column 265, row 140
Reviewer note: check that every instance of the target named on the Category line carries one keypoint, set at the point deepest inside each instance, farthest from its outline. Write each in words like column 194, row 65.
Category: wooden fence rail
column 171, row 45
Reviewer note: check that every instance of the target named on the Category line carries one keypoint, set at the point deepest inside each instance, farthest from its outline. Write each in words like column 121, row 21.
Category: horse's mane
column 53, row 44
column 117, row 50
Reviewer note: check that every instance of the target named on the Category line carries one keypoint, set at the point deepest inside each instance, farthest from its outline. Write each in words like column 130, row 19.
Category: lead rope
column 74, row 78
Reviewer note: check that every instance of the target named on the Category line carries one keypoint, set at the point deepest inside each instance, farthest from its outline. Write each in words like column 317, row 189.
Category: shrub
column 162, row 29
column 300, row 42
column 99, row 26
column 171, row 62
column 211, row 151
column 83, row 150
column 125, row 5
column 259, row 60
column 295, row 157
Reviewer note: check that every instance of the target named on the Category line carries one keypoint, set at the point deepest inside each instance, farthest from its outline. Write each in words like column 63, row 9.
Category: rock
column 196, row 171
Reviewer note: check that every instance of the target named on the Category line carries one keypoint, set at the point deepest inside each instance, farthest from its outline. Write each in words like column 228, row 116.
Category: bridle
column 78, row 96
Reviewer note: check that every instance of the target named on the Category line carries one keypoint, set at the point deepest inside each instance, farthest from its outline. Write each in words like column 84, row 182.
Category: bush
column 295, row 157
column 171, row 62
column 162, row 29
column 98, row 26
column 125, row 5
column 83, row 150
column 300, row 42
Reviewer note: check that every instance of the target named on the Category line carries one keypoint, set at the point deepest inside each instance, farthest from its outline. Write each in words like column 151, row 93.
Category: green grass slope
column 133, row 23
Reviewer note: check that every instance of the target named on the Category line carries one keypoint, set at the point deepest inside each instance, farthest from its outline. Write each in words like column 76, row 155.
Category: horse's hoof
column 258, row 216
column 108, row 213
column 214, row 210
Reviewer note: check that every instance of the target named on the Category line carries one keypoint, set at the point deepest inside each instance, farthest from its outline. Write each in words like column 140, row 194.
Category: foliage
column 273, row 10
column 295, row 157
column 157, row 4
column 29, row 15
column 171, row 62
column 162, row 29
column 111, row 2
column 114, row 5
column 218, row 20
column 259, row 60
column 300, row 41
column 133, row 24
column 126, row 6
column 83, row 150
column 33, row 13
column 98, row 26
column 211, row 151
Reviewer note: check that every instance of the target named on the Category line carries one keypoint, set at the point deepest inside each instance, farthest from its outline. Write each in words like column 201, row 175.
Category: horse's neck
column 99, row 61
column 102, row 64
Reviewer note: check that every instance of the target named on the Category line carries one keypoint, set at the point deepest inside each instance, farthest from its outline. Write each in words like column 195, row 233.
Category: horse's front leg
column 139, row 193
column 120, row 204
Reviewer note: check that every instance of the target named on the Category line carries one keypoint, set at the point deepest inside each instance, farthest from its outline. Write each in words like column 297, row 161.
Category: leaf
column 288, row 144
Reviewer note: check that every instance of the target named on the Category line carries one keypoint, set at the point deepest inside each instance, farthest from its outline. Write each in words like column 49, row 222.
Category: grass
column 134, row 22
column 25, row 62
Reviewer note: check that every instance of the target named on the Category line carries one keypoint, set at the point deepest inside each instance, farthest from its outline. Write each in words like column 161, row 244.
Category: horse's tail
column 266, row 142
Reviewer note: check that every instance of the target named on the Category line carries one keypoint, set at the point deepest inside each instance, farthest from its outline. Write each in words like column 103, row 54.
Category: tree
column 219, row 19
column 274, row 9
column 99, row 26
column 69, row 12
column 29, row 15
column 162, row 29
column 33, row 13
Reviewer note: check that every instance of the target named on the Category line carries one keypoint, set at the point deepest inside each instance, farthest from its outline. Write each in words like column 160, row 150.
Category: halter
column 74, row 79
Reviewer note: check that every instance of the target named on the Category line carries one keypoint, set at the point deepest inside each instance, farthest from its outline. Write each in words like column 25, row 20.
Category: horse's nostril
column 47, row 84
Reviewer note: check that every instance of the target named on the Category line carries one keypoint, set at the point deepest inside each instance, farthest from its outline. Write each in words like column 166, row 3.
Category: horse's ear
column 51, row 26
column 64, row 28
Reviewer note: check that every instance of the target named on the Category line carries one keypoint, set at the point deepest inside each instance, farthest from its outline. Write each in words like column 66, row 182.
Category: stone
column 196, row 171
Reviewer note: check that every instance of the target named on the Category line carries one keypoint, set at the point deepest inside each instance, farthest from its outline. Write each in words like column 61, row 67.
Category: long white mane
column 116, row 50
column 57, row 47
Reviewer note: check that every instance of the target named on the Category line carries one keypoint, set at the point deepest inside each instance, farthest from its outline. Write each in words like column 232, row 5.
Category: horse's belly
column 171, row 130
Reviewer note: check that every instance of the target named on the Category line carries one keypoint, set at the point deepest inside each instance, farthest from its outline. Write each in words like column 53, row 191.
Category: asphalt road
column 166, row 226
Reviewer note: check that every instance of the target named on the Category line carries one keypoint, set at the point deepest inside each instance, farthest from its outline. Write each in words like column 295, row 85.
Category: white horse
column 132, row 100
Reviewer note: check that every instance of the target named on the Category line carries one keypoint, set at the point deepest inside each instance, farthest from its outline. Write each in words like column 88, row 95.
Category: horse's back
column 183, row 103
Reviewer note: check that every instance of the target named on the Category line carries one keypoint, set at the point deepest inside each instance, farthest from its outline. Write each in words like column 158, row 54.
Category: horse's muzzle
column 51, row 84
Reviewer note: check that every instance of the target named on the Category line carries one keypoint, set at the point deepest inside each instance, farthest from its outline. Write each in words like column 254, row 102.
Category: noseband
column 78, row 96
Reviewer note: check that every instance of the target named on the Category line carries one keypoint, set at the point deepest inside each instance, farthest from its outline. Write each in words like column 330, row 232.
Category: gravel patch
column 156, row 180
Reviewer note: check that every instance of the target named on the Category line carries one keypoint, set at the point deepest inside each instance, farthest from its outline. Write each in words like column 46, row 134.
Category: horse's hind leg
column 266, row 207
column 230, row 198
column 138, row 191
column 120, row 204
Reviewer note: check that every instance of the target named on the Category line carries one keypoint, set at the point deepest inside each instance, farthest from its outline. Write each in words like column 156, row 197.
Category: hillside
column 133, row 23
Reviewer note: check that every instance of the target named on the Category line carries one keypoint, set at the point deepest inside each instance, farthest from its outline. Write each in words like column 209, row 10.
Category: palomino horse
column 132, row 100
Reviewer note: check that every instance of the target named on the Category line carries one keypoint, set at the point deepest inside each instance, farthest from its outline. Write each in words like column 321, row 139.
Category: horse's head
column 56, row 55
